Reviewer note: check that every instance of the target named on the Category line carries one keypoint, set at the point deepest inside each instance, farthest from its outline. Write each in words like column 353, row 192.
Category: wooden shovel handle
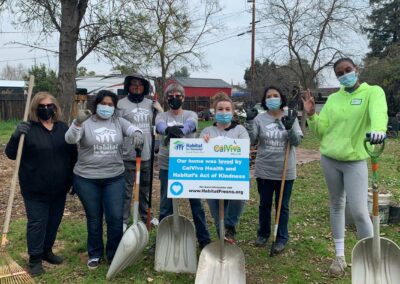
column 17, row 164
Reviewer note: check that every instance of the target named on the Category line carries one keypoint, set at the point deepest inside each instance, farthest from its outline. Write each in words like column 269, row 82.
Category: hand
column 138, row 140
column 157, row 107
column 289, row 119
column 308, row 102
column 376, row 137
column 251, row 111
column 22, row 128
column 206, row 137
column 174, row 132
column 83, row 113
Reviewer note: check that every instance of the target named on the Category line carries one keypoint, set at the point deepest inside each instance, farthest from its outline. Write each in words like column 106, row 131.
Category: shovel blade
column 366, row 270
column 129, row 249
column 176, row 251
column 214, row 270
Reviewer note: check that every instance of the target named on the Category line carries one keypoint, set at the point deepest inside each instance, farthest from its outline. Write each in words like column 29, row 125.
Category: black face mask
column 45, row 113
column 175, row 103
column 135, row 98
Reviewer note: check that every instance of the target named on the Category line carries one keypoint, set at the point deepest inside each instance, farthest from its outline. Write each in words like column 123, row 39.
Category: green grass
column 306, row 259
column 6, row 129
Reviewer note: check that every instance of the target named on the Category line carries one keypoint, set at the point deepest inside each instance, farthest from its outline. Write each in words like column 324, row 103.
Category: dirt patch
column 304, row 156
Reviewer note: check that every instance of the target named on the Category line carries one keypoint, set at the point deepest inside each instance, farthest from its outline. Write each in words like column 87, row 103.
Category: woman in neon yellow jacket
column 356, row 109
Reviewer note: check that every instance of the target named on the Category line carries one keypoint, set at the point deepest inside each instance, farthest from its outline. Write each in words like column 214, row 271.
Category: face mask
column 45, row 113
column 135, row 98
column 223, row 117
column 273, row 103
column 348, row 80
column 175, row 103
column 104, row 111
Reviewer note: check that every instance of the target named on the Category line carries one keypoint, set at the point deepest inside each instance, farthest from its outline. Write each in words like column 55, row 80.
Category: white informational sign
column 218, row 169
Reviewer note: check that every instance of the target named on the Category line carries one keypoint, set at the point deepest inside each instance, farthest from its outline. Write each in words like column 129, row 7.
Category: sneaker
column 230, row 235
column 277, row 248
column 50, row 257
column 35, row 268
column 93, row 263
column 261, row 241
column 337, row 267
column 154, row 222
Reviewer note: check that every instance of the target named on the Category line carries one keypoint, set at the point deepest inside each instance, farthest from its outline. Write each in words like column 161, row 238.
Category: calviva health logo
column 179, row 145
column 233, row 148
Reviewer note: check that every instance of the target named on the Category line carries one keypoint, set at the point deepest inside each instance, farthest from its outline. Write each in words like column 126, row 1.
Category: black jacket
column 47, row 161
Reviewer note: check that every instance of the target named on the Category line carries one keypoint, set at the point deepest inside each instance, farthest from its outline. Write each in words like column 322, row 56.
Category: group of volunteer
column 95, row 156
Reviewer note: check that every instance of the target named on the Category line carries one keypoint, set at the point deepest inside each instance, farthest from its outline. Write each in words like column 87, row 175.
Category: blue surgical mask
column 104, row 111
column 223, row 117
column 348, row 80
column 273, row 103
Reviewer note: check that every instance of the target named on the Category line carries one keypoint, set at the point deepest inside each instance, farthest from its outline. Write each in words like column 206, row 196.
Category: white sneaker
column 337, row 267
column 154, row 221
column 124, row 227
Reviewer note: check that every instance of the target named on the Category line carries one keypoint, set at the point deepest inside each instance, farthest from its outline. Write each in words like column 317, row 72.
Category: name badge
column 356, row 102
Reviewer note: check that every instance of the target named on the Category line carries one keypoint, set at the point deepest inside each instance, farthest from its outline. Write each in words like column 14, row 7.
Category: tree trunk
column 66, row 84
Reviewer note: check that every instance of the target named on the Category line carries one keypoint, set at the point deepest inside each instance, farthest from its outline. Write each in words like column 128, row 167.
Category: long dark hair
column 101, row 95
column 283, row 97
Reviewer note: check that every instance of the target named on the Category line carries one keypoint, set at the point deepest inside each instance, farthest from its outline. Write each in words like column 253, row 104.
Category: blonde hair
column 36, row 101
column 222, row 97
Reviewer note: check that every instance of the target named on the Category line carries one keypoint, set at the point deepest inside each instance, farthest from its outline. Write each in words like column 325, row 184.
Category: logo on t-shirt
column 140, row 118
column 104, row 134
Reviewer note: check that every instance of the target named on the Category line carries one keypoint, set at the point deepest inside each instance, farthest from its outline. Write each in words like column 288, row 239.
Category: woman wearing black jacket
column 45, row 175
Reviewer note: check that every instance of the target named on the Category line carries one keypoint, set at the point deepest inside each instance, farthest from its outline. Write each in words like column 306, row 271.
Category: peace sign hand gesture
column 83, row 113
column 308, row 102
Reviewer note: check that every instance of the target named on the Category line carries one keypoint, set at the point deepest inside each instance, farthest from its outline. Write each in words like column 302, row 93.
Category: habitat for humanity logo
column 179, row 145
column 176, row 188
column 194, row 148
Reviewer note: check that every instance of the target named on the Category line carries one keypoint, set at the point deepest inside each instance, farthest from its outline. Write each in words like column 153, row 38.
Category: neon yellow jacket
column 346, row 118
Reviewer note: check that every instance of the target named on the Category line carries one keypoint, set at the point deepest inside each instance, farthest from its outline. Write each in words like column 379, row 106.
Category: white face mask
column 104, row 111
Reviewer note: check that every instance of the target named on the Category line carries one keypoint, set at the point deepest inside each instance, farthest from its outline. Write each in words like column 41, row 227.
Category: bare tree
column 311, row 34
column 81, row 24
column 168, row 35
column 13, row 72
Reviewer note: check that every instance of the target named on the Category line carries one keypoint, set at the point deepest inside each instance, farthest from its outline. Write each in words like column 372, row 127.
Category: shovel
column 176, row 244
column 135, row 237
column 375, row 260
column 220, row 262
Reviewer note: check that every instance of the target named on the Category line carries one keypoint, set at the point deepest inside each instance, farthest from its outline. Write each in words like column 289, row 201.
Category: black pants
column 44, row 218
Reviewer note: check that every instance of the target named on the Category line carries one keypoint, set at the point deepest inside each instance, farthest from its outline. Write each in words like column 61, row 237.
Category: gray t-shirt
column 169, row 119
column 140, row 115
column 99, row 146
column 272, row 136
column 236, row 132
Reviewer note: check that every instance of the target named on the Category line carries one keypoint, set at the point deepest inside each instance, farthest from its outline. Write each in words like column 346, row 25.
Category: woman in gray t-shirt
column 225, row 128
column 271, row 131
column 98, row 173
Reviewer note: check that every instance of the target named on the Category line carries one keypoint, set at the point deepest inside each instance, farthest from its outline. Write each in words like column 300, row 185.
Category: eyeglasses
column 47, row 105
column 178, row 96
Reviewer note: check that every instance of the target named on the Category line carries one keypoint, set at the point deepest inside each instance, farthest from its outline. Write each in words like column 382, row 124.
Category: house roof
column 202, row 82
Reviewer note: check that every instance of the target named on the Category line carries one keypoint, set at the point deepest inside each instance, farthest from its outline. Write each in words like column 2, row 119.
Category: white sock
column 339, row 245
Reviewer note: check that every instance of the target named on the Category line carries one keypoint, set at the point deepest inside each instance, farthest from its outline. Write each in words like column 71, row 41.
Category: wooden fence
column 12, row 105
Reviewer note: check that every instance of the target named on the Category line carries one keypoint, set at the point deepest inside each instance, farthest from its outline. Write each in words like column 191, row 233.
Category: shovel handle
column 137, row 178
column 376, row 151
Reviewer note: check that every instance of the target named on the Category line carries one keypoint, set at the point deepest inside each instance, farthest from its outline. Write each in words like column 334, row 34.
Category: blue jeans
column 199, row 216
column 232, row 211
column 100, row 196
column 266, row 189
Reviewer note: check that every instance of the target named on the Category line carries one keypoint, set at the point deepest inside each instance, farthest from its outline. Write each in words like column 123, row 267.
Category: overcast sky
column 227, row 59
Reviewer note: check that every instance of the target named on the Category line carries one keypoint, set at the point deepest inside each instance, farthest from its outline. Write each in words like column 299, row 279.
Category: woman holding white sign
column 271, row 131
column 225, row 127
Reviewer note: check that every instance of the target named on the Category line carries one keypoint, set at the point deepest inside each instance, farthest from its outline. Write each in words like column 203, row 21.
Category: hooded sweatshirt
column 346, row 118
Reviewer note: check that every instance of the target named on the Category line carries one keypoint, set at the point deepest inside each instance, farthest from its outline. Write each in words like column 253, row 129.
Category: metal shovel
column 376, row 260
column 221, row 263
column 135, row 237
column 176, row 244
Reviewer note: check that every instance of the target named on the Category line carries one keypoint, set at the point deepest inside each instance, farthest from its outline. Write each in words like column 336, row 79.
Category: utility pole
column 253, row 38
